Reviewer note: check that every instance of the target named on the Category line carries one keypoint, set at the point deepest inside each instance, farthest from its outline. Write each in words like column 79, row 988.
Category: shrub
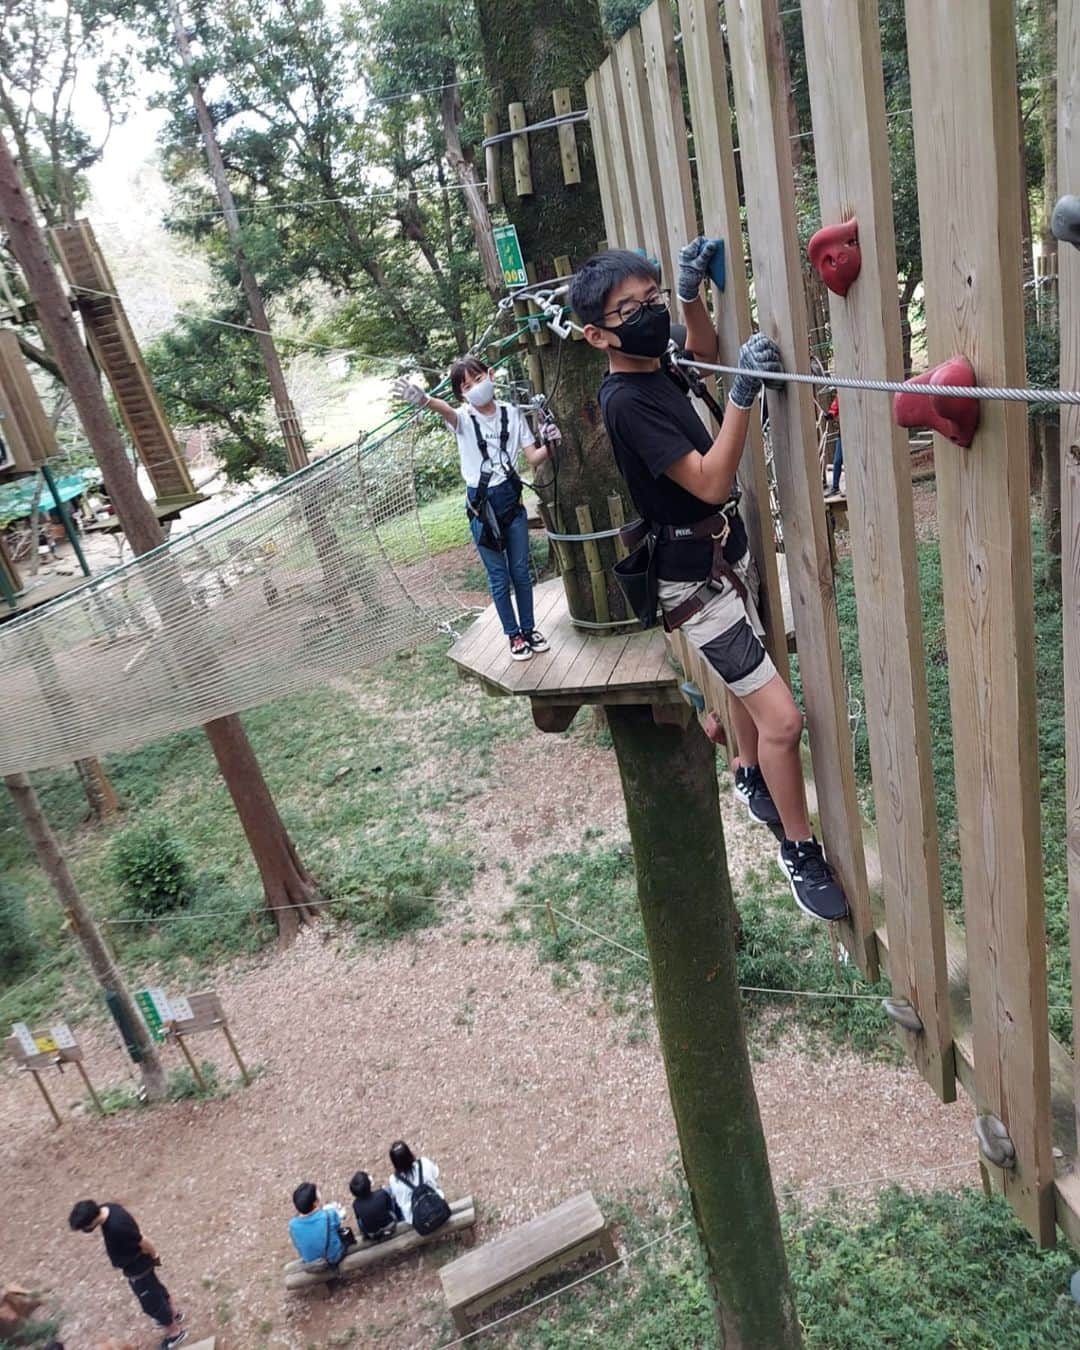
column 16, row 938
column 151, row 868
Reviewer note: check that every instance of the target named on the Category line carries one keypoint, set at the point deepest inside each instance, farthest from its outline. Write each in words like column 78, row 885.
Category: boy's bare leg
column 746, row 734
column 778, row 724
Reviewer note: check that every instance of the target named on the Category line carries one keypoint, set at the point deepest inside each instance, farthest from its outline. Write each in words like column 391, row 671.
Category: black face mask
column 648, row 336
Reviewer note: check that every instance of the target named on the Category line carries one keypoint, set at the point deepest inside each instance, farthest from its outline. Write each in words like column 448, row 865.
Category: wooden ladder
column 117, row 353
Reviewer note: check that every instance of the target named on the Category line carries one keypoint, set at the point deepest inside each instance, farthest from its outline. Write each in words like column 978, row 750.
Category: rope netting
column 327, row 571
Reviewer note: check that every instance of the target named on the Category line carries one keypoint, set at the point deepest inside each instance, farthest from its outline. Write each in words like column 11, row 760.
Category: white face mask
column 482, row 393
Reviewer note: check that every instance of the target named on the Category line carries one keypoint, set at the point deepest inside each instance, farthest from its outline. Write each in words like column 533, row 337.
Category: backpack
column 429, row 1210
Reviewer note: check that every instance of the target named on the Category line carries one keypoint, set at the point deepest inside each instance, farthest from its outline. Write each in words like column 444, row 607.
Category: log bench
column 367, row 1254
column 519, row 1258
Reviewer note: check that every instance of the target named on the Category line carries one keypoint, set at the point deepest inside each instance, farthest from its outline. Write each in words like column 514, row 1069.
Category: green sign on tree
column 513, row 264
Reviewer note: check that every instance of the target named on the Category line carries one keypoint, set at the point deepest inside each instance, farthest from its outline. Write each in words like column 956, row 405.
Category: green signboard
column 513, row 265
column 154, row 1006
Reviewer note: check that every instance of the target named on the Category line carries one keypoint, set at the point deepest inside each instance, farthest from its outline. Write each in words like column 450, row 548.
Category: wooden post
column 673, row 182
column 710, row 117
column 45, row 1093
column 755, row 36
column 963, row 92
column 617, row 516
column 597, row 575
column 565, row 268
column 551, row 920
column 630, row 233
column 641, row 159
column 89, row 1086
column 571, row 168
column 191, row 1063
column 1069, row 319
column 669, row 781
column 542, row 336
column 598, row 128
column 236, row 1055
column 523, row 183
column 491, row 161
column 847, row 100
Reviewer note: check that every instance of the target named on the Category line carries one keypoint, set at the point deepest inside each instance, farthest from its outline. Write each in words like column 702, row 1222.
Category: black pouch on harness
column 637, row 578
column 481, row 509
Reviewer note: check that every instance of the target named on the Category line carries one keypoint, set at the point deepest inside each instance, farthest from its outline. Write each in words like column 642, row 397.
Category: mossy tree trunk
column 532, row 47
column 669, row 781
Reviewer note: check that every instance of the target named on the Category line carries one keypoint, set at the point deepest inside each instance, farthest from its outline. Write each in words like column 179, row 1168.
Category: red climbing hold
column 956, row 418
column 835, row 255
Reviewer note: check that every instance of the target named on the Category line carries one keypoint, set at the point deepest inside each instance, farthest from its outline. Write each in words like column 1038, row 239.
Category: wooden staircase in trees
column 117, row 353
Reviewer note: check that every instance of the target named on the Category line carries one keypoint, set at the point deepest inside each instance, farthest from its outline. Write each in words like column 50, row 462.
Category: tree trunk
column 288, row 421
column 1046, row 42
column 35, row 524
column 52, row 862
column 669, row 781
column 245, row 781
column 530, row 48
column 100, row 793
column 1050, row 438
column 475, row 202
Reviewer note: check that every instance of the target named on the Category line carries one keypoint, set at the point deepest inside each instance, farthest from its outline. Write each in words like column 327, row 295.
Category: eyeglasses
column 630, row 311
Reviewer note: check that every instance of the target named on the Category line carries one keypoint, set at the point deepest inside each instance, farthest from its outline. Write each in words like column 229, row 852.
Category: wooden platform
column 40, row 594
column 581, row 667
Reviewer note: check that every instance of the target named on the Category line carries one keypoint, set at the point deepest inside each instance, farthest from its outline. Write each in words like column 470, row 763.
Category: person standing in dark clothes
column 375, row 1211
column 136, row 1257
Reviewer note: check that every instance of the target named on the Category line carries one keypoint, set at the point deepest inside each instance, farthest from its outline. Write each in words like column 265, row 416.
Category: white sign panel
column 181, row 1009
column 63, row 1036
column 26, row 1041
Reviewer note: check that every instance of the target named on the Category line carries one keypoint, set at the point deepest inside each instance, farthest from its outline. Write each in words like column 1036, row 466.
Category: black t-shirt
column 374, row 1212
column 652, row 424
column 122, row 1238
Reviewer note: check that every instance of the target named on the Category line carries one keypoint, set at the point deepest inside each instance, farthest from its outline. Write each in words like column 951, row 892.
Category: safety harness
column 479, row 508
column 638, row 571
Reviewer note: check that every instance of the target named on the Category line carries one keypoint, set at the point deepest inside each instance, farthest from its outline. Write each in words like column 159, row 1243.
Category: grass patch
column 445, row 523
column 182, row 1087
column 1051, row 718
column 369, row 775
column 922, row 1271
column 778, row 949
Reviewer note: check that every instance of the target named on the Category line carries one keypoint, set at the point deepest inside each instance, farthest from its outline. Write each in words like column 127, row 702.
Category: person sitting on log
column 491, row 437
column 376, row 1211
column 416, row 1190
column 316, row 1229
column 682, row 481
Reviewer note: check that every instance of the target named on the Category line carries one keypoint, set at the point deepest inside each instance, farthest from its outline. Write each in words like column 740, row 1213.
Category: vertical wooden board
column 609, row 199
column 754, row 34
column 629, row 59
column 1069, row 318
column 34, row 427
column 665, row 108
column 718, row 189
column 963, row 92
column 618, row 139
column 847, row 103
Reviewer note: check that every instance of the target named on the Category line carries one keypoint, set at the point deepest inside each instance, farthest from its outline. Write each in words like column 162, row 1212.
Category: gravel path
column 462, row 1045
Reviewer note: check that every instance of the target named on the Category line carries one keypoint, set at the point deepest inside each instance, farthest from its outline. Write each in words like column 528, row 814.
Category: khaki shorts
column 728, row 630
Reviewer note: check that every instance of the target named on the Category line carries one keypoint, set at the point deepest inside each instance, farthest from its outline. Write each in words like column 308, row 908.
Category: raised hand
column 694, row 259
column 408, row 392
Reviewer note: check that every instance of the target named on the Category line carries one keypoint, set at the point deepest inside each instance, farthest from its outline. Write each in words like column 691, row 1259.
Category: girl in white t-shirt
column 491, row 437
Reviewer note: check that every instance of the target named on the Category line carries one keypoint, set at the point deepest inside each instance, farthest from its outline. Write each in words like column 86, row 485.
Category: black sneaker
column 752, row 790
column 519, row 648
column 817, row 892
column 536, row 640
column 168, row 1342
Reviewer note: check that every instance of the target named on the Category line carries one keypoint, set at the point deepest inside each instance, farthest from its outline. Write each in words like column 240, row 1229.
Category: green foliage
column 182, row 1086
column 778, row 949
column 16, row 935
column 913, row 1270
column 436, row 466
column 620, row 15
column 151, row 868
column 38, row 1331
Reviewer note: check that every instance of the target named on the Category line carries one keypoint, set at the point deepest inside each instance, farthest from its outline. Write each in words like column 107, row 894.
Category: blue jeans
column 509, row 568
column 837, row 464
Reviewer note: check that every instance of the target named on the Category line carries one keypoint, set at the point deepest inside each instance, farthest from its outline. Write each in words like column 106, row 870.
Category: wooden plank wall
column 631, row 234
column 609, row 198
column 718, row 189
column 673, row 185
column 847, row 102
column 1069, row 318
column 641, row 158
column 963, row 91
column 760, row 100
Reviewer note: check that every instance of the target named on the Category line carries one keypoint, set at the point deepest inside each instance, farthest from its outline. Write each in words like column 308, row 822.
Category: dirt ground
column 454, row 1039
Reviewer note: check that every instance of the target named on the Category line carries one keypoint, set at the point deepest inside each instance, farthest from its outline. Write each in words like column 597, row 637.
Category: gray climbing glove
column 758, row 357
column 694, row 259
column 408, row 392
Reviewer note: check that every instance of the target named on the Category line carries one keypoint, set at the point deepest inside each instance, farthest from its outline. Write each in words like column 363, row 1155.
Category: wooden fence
column 661, row 124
